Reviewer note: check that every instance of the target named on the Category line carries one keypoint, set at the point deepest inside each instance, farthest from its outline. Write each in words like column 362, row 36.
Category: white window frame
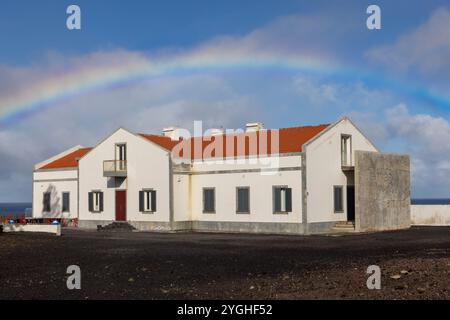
column 96, row 201
column 346, row 150
column 148, row 200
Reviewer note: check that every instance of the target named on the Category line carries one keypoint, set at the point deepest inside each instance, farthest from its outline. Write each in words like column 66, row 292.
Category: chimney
column 254, row 126
column 216, row 132
column 171, row 132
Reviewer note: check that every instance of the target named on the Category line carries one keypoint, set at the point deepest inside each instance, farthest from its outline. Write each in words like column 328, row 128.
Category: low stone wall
column 221, row 226
column 46, row 228
column 430, row 215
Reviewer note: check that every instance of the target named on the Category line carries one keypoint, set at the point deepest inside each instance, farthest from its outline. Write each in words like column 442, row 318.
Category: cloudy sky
column 285, row 63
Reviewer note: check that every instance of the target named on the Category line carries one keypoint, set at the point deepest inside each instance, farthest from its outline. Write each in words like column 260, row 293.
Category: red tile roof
column 165, row 142
column 67, row 161
column 290, row 140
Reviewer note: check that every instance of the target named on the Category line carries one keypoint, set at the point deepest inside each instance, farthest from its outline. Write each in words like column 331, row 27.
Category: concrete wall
column 430, row 215
column 324, row 170
column 148, row 166
column 382, row 187
column 56, row 182
column 45, row 228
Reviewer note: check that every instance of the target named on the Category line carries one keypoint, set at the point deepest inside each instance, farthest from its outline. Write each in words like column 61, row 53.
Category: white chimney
column 216, row 132
column 171, row 132
column 254, row 126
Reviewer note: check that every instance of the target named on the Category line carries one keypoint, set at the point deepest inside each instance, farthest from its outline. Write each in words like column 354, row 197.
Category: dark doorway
column 350, row 203
column 121, row 205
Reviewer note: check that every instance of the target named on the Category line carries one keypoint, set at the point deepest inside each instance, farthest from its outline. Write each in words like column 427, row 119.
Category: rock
column 421, row 289
column 404, row 272
column 396, row 276
column 401, row 287
column 131, row 280
column 252, row 287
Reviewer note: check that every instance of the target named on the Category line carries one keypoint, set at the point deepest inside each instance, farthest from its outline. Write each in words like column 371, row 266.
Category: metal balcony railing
column 115, row 168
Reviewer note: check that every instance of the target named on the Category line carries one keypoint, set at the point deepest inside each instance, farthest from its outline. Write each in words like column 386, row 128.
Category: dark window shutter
column 213, row 200
column 65, row 202
column 277, row 199
column 288, row 199
column 246, row 200
column 338, row 201
column 141, row 201
column 208, row 205
column 46, row 202
column 153, row 195
column 91, row 201
column 101, row 201
column 205, row 200
column 240, row 200
column 243, row 200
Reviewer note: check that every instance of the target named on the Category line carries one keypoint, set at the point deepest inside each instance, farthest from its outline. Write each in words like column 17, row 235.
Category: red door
column 121, row 205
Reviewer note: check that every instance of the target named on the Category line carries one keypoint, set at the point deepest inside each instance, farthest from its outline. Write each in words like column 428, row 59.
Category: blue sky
column 408, row 56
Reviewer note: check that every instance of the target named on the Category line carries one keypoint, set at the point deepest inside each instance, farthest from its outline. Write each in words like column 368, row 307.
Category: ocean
column 431, row 201
column 21, row 208
column 16, row 209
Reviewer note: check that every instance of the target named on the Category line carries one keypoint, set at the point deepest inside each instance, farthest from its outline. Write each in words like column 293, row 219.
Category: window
column 46, row 202
column 147, row 200
column 282, row 199
column 121, row 156
column 121, row 151
column 209, row 200
column 346, row 150
column 96, row 201
column 242, row 200
column 338, row 199
column 65, row 202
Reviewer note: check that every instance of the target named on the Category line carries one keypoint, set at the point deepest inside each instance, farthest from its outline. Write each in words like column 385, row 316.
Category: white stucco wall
column 430, row 215
column 226, row 177
column 182, row 196
column 324, row 170
column 56, row 182
column 147, row 167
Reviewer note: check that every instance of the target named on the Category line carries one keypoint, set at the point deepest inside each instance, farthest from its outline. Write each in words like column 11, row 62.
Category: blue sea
column 431, row 201
column 21, row 208
column 16, row 209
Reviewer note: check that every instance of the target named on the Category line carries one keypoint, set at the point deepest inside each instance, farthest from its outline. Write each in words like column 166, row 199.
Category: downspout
column 171, row 210
column 304, row 195
column 78, row 192
column 32, row 196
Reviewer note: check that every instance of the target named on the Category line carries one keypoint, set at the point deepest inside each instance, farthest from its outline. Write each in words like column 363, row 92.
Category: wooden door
column 121, row 205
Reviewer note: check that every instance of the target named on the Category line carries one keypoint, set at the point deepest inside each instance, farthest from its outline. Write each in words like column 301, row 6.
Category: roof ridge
column 269, row 129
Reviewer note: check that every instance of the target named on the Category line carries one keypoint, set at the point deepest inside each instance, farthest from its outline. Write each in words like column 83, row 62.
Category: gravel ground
column 415, row 264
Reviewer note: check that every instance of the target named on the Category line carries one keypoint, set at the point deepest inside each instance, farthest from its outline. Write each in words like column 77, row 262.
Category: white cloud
column 425, row 49
column 427, row 139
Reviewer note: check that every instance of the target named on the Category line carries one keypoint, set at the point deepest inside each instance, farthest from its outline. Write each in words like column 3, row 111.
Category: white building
column 292, row 180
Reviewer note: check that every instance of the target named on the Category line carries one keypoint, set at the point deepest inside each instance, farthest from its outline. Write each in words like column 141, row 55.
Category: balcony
column 115, row 168
column 348, row 168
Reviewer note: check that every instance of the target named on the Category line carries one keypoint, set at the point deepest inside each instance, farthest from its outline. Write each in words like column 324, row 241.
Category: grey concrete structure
column 382, row 187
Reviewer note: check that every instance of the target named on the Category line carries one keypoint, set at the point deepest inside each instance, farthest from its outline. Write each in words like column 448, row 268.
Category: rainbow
column 83, row 80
